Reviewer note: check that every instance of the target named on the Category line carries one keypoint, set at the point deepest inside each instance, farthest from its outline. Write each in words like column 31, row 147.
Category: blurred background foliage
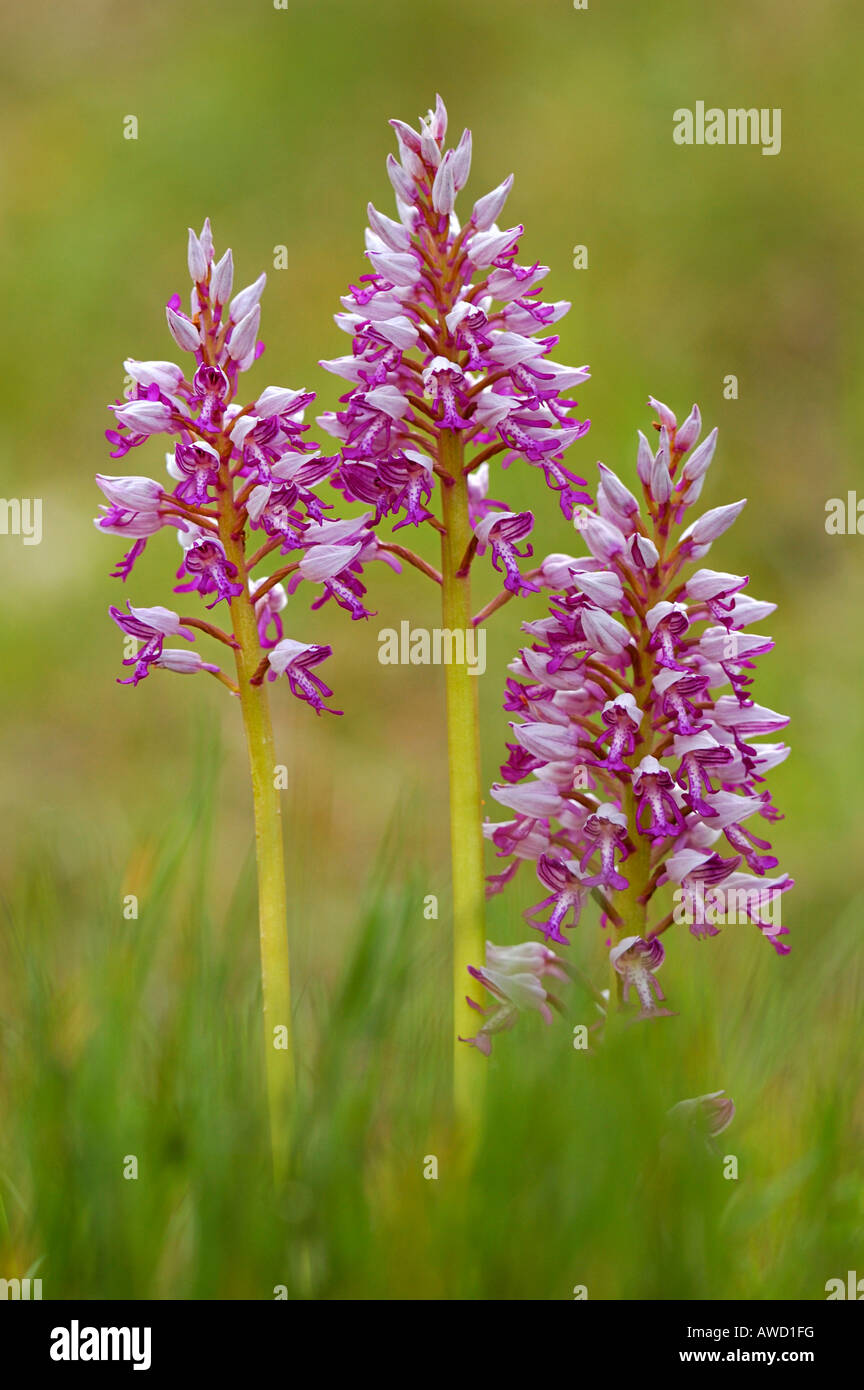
column 142, row 1037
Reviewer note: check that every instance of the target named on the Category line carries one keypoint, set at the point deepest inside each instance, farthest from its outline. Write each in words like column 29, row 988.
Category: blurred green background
column 142, row 1037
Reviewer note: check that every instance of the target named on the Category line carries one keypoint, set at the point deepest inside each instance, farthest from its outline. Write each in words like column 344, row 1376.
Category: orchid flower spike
column 639, row 763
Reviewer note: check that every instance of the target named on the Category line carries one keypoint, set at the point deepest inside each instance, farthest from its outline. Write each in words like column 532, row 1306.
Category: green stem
column 269, row 853
column 5, row 1233
column 463, row 755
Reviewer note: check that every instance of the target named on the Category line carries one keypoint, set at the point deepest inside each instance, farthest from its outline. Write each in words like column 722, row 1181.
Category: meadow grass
column 143, row 1039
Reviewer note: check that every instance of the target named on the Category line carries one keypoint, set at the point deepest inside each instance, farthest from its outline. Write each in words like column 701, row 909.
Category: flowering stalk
column 451, row 368
column 634, row 767
column 463, row 761
column 235, row 469
column 269, row 851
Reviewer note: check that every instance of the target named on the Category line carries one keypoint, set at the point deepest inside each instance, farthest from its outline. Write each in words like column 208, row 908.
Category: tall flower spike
column 639, row 768
column 451, row 367
column 234, row 469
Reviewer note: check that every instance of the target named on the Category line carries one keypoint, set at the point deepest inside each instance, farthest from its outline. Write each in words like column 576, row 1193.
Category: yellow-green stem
column 270, row 857
column 463, row 755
